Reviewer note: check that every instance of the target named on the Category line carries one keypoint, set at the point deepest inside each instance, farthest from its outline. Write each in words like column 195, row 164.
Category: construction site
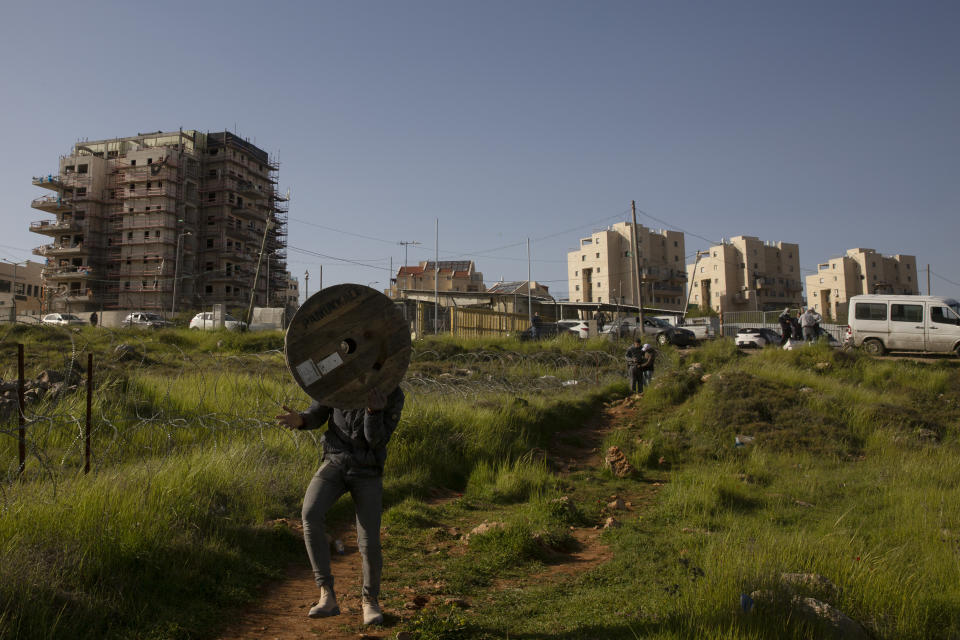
column 163, row 222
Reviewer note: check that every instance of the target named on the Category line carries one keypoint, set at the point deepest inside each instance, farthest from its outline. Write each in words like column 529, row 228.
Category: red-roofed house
column 455, row 275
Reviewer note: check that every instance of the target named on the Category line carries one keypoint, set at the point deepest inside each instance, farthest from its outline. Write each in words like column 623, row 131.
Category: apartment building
column 455, row 275
column 602, row 268
column 291, row 297
column 162, row 221
column 21, row 289
column 746, row 274
column 859, row 271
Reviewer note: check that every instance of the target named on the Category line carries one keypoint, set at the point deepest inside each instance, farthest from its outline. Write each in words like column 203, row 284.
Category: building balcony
column 156, row 192
column 62, row 274
column 54, row 227
column 85, row 295
column 148, row 172
column 247, row 186
column 49, row 250
column 52, row 204
column 48, row 182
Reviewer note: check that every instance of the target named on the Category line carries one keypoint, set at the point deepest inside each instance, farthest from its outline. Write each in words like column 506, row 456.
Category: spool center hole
column 348, row 346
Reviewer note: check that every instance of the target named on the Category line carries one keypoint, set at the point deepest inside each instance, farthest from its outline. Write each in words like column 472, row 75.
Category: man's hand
column 291, row 419
column 376, row 401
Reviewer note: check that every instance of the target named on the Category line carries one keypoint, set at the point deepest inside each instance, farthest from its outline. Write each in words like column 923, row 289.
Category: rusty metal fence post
column 86, row 447
column 22, row 431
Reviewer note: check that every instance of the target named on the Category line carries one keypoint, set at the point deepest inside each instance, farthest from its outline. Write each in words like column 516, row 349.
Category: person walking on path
column 785, row 328
column 809, row 321
column 354, row 452
column 93, row 319
column 535, row 327
column 634, row 356
column 647, row 361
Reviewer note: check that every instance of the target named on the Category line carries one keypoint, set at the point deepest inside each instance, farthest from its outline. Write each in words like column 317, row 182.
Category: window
column 676, row 244
column 133, row 163
column 576, row 273
column 715, row 267
column 82, row 168
column 906, row 312
column 583, row 257
column 598, row 254
column 129, row 235
column 598, row 269
column 149, row 160
column 576, row 288
column 701, row 269
column 208, row 289
column 944, row 315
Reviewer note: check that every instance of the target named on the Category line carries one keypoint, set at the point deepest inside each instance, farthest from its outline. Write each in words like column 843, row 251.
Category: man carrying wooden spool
column 354, row 451
column 348, row 347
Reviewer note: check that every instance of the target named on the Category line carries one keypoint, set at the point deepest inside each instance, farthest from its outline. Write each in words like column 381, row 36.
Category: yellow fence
column 481, row 322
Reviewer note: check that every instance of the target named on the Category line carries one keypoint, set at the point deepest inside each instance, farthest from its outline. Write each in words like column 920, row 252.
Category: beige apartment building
column 162, row 221
column 291, row 296
column 746, row 274
column 602, row 269
column 21, row 289
column 860, row 271
column 455, row 275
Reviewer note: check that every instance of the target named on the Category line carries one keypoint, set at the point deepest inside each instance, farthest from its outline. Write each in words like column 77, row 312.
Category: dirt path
column 281, row 613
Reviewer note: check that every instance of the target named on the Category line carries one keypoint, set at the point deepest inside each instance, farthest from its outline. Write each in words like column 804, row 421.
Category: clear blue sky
column 829, row 124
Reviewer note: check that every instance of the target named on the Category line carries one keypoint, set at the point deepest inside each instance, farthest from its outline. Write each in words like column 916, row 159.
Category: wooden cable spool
column 344, row 341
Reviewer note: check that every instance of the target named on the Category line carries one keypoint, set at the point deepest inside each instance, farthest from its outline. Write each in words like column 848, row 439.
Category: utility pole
column 406, row 245
column 306, row 284
column 176, row 271
column 636, row 259
column 928, row 280
column 436, row 278
column 690, row 282
column 529, row 288
column 256, row 274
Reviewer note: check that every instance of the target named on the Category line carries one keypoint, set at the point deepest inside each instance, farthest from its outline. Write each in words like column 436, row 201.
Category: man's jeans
column 329, row 483
column 809, row 334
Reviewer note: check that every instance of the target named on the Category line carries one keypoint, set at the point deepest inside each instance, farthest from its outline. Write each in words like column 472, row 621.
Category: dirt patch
column 281, row 612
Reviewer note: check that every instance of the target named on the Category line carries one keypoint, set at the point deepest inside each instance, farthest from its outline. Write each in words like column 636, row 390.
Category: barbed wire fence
column 153, row 398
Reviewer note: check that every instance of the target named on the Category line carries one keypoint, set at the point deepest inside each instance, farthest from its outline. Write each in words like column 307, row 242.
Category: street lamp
column 176, row 270
column 13, row 288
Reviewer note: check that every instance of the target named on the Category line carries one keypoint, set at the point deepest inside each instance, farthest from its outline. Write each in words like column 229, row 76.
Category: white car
column 204, row 320
column 756, row 337
column 144, row 321
column 578, row 327
column 63, row 319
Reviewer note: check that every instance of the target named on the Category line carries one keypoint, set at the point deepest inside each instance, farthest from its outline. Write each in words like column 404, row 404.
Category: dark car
column 661, row 331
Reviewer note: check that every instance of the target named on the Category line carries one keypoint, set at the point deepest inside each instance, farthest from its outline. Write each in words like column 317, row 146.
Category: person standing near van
column 809, row 321
column 634, row 355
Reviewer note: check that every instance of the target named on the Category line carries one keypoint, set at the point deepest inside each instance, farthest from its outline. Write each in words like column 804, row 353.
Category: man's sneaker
column 371, row 611
column 327, row 606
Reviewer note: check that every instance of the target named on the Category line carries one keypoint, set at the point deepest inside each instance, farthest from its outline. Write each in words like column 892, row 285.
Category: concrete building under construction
column 163, row 221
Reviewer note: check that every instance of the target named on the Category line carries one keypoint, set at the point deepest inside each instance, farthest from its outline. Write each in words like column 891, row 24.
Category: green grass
column 851, row 474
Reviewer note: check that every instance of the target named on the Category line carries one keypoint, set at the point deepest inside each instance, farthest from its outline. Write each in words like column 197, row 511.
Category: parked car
column 204, row 320
column 662, row 332
column 756, row 337
column 820, row 335
column 145, row 321
column 881, row 323
column 578, row 327
column 63, row 319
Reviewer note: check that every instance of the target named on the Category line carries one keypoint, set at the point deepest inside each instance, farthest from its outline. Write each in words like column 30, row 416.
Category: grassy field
column 849, row 471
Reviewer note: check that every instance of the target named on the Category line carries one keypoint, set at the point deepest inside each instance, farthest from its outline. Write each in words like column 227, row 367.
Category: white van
column 882, row 323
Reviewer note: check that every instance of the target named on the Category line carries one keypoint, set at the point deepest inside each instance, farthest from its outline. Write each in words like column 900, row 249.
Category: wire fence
column 101, row 398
